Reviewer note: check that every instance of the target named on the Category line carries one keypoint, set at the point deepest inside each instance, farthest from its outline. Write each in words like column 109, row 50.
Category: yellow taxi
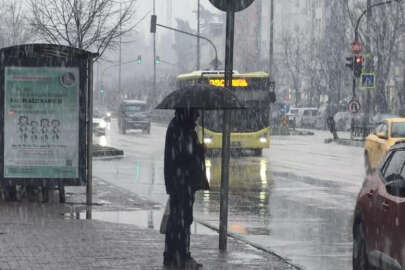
column 385, row 135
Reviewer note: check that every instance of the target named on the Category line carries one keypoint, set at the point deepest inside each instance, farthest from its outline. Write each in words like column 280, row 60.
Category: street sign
column 353, row 106
column 367, row 80
column 357, row 47
column 231, row 5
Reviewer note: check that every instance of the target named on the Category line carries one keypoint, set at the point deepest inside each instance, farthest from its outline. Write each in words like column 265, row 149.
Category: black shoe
column 167, row 262
column 167, row 259
column 191, row 263
column 173, row 263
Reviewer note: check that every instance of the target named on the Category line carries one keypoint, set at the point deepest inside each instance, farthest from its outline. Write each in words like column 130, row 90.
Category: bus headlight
column 263, row 139
column 207, row 140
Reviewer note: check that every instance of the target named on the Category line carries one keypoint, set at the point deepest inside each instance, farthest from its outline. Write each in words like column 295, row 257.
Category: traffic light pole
column 197, row 36
column 154, row 61
column 356, row 38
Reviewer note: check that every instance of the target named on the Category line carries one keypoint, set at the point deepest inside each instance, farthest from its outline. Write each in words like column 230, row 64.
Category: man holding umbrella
column 184, row 175
column 184, row 167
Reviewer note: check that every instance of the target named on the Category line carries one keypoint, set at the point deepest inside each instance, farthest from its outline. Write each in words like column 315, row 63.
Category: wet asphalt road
column 296, row 200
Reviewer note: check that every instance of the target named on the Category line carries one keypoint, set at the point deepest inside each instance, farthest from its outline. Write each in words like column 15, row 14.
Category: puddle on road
column 142, row 218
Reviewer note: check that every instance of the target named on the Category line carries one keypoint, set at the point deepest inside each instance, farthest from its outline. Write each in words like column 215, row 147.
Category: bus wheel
column 257, row 152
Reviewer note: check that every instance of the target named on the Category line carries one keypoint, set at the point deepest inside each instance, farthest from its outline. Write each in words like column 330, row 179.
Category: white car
column 306, row 117
column 99, row 126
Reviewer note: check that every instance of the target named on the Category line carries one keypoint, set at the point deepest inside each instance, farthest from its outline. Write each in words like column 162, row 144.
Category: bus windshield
column 242, row 120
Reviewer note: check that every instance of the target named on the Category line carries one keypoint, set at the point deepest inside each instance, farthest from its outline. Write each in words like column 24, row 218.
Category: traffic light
column 157, row 60
column 153, row 20
column 139, row 59
column 101, row 91
column 358, row 66
column 349, row 61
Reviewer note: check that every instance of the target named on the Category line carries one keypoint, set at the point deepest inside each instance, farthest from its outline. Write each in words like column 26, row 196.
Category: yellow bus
column 250, row 127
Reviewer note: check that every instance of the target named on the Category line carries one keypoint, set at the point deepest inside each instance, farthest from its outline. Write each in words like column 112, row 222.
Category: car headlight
column 102, row 124
column 263, row 139
column 207, row 140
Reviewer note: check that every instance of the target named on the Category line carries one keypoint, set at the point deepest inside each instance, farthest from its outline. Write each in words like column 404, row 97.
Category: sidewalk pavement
column 43, row 236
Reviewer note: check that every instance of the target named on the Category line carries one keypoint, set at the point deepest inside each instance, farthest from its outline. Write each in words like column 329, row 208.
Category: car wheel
column 360, row 259
column 367, row 163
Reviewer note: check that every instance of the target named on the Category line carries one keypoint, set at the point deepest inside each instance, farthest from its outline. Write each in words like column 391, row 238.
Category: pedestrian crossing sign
column 367, row 80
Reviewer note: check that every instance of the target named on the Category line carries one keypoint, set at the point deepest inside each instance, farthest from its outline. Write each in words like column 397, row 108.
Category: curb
column 255, row 245
column 106, row 152
column 347, row 142
column 278, row 132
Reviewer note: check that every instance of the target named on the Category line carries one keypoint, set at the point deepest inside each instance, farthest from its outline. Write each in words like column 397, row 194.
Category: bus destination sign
column 235, row 82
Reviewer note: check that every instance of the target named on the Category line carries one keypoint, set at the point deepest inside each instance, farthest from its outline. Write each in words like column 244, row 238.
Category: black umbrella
column 203, row 97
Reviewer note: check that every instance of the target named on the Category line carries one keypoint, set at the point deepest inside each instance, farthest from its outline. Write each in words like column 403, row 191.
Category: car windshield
column 135, row 108
column 398, row 130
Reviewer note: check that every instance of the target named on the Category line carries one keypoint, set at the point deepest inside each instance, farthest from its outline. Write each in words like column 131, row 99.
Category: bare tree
column 184, row 46
column 85, row 24
column 14, row 28
column 294, row 59
column 386, row 29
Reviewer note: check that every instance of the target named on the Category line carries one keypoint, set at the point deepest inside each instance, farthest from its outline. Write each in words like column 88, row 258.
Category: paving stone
column 39, row 236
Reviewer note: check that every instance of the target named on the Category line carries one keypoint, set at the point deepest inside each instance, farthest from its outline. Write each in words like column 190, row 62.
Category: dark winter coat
column 183, row 158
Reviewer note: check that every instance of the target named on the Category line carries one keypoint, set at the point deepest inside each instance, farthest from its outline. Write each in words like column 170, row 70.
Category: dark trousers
column 177, row 240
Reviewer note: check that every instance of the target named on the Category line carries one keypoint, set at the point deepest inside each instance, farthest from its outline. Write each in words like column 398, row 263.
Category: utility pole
column 369, row 64
column 154, row 60
column 120, row 59
column 271, row 52
column 198, row 34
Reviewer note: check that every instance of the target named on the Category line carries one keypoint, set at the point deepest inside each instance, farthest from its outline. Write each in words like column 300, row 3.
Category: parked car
column 306, row 117
column 379, row 219
column 99, row 124
column 133, row 114
column 386, row 134
column 102, row 112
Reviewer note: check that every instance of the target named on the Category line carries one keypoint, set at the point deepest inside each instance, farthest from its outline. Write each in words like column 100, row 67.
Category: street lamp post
column 271, row 48
column 154, row 60
column 198, row 34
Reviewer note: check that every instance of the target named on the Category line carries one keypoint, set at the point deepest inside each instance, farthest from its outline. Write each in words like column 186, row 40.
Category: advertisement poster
column 41, row 122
